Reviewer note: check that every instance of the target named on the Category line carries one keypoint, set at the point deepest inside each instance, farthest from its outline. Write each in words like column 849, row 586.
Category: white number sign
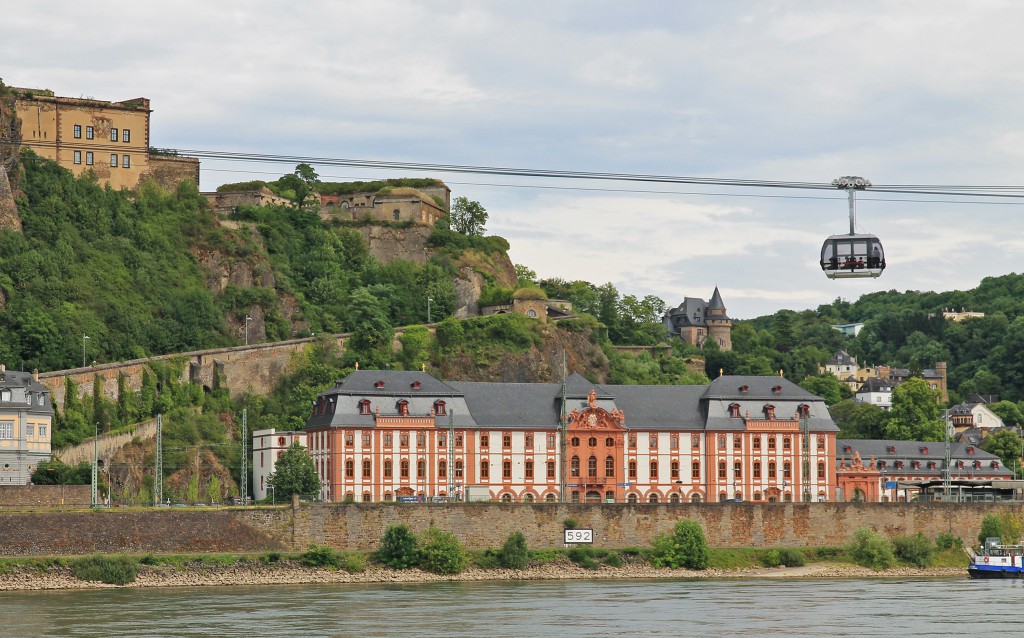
column 579, row 536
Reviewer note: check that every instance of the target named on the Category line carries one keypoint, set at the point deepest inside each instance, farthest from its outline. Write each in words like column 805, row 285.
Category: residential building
column 877, row 391
column 111, row 139
column 26, row 416
column 843, row 367
column 267, row 447
column 695, row 321
column 849, row 329
column 389, row 435
column 892, row 465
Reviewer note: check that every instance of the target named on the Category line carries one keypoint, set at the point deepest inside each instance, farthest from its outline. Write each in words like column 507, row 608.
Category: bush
column 440, row 552
column 916, row 550
column 947, row 540
column 792, row 557
column 271, row 557
column 149, row 559
column 113, row 570
column 584, row 557
column 686, row 547
column 828, row 552
column 514, row 553
column 321, row 556
column 570, row 523
column 771, row 558
column 870, row 549
column 991, row 525
column 397, row 548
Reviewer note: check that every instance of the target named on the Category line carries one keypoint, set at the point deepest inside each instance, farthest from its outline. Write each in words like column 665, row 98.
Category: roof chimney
column 35, row 374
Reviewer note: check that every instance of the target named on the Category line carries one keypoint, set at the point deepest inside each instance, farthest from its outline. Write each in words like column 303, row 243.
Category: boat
column 997, row 561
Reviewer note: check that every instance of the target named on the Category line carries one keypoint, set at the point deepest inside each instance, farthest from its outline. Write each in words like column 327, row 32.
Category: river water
column 766, row 607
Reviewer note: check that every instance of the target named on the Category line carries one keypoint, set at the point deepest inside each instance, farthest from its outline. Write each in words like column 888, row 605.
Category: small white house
column 876, row 391
column 267, row 446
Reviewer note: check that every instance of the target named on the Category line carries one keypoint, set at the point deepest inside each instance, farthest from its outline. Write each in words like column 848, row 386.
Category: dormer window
column 899, row 465
column 415, row 385
column 970, row 450
column 924, row 450
column 769, row 412
column 932, row 465
column 916, row 465
column 403, row 407
column 364, row 406
column 378, row 385
column 847, row 449
column 440, row 408
column 995, row 464
column 734, row 410
column 891, row 449
column 881, row 465
column 744, row 388
column 777, row 389
column 330, row 406
column 803, row 410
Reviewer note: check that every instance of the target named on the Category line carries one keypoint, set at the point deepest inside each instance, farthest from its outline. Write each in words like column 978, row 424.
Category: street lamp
column 247, row 320
column 84, row 337
column 429, row 300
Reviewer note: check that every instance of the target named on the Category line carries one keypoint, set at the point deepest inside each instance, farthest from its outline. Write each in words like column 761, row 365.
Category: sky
column 911, row 92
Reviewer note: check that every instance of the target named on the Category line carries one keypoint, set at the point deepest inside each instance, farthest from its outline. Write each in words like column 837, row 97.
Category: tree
column 441, row 552
column 294, row 473
column 525, row 276
column 397, row 548
column 828, row 387
column 303, row 182
column 371, row 329
column 1007, row 445
column 915, row 413
column 858, row 420
column 468, row 217
column 686, row 547
column 514, row 554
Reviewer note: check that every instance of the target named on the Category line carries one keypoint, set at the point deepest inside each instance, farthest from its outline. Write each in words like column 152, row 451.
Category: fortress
column 695, row 321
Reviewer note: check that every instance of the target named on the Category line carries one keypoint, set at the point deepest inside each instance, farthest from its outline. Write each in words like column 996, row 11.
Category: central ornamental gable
column 593, row 417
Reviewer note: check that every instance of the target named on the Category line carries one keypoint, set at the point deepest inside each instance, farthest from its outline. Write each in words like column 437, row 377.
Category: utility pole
column 805, row 423
column 84, row 337
column 244, row 484
column 158, row 471
column 451, row 456
column 563, row 443
column 247, row 320
column 945, row 472
column 95, row 463
column 429, row 300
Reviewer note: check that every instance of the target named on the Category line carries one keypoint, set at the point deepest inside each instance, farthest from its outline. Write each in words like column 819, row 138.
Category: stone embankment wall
column 359, row 527
column 34, row 496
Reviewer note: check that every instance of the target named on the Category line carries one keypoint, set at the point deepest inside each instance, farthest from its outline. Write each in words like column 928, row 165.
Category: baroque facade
column 390, row 435
column 26, row 415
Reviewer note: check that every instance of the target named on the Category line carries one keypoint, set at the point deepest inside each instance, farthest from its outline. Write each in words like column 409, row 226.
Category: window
column 592, row 467
column 113, row 135
column 757, row 469
column 458, row 469
column 506, row 440
column 551, row 440
column 654, row 441
column 609, row 442
column 528, row 440
column 30, row 430
column 632, row 469
column 737, row 442
column 404, row 468
column 787, row 443
column 771, row 443
column 78, row 131
column 387, row 440
column 769, row 412
column 421, row 439
column 695, row 441
column 787, row 470
column 349, row 469
column 78, row 157
column 528, row 469
column 442, row 440
column 126, row 135
column 485, row 469
column 350, row 439
column 695, row 469
column 388, row 467
column 421, row 469
column 88, row 158
column 366, row 469
column 366, row 497
column 364, row 406
column 722, row 470
column 675, row 470
column 403, row 407
column 592, row 441
column 654, row 470
column 366, row 440
column 609, row 466
column 771, row 469
column 574, row 466
column 632, row 440
column 737, row 470
column 126, row 161
column 484, row 440
column 403, row 439
column 551, row 469
column 821, row 470
column 674, row 441
column 804, row 410
column 440, row 409
column 458, row 440
column 757, row 443
column 734, row 410
column 89, row 133
column 574, row 441
column 42, row 431
column 821, row 442
column 396, row 214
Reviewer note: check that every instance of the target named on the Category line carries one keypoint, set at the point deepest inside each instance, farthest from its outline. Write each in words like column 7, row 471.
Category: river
column 767, row 607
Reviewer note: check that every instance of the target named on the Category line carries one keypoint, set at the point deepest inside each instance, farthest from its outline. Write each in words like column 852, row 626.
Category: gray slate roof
column 25, row 393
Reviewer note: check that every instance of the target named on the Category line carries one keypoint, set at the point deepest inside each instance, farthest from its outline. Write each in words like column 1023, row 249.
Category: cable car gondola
column 852, row 255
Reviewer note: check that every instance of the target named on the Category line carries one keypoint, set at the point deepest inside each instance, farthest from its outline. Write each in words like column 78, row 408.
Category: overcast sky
column 910, row 92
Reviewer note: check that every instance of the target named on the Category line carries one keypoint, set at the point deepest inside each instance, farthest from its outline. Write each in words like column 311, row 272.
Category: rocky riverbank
column 288, row 572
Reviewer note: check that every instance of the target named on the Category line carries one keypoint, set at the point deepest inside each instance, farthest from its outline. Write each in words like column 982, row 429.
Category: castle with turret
column 695, row 321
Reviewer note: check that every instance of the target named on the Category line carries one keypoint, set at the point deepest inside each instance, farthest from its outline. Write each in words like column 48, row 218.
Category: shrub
column 792, row 557
column 149, row 559
column 991, row 525
column 271, row 557
column 570, row 523
column 514, row 553
column 870, row 549
column 613, row 560
column 771, row 558
column 916, row 550
column 113, row 570
column 686, row 547
column 397, row 548
column 440, row 552
column 321, row 556
column 584, row 557
column 947, row 540
column 828, row 552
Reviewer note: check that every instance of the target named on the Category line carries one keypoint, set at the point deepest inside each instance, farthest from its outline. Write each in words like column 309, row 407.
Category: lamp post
column 429, row 301
column 247, row 320
column 84, row 338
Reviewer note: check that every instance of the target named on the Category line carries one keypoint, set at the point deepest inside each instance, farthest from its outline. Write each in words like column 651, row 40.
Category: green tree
column 685, row 547
column 468, row 217
column 303, row 182
column 857, row 420
column 414, row 340
column 213, row 490
column 1008, row 446
column 514, row 554
column 828, row 387
column 870, row 549
column 991, row 527
column 371, row 330
column 397, row 548
column 525, row 276
column 1008, row 411
column 915, row 413
column 441, row 552
column 294, row 473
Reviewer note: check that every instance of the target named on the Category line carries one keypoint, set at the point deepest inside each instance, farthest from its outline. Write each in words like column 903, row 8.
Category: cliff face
column 387, row 243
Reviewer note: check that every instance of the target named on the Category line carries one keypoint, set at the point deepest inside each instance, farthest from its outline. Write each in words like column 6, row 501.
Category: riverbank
column 290, row 573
